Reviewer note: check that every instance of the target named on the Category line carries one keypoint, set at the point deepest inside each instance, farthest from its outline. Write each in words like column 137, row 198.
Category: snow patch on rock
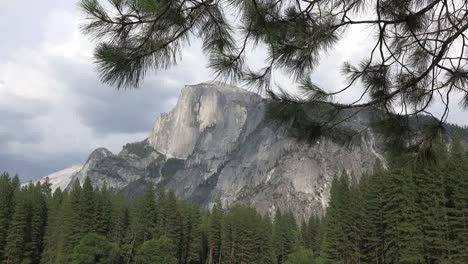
column 61, row 179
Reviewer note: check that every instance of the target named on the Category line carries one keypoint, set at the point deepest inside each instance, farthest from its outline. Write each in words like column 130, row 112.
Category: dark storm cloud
column 17, row 120
column 16, row 129
column 79, row 113
column 84, row 114
column 107, row 110
column 28, row 169
column 126, row 111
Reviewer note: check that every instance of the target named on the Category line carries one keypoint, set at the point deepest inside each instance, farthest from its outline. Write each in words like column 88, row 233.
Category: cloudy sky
column 53, row 109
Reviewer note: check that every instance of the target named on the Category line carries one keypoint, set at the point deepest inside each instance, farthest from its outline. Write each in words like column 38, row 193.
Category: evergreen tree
column 103, row 214
column 121, row 216
column 285, row 235
column 356, row 222
column 18, row 232
column 456, row 204
column 147, row 219
column 215, row 233
column 415, row 55
column 52, row 233
column 374, row 240
column 412, row 212
column 245, row 240
column 191, row 244
column 265, row 243
column 70, row 232
column 94, row 249
column 157, row 251
column 122, row 231
column 337, row 244
column 301, row 257
column 312, row 237
column 15, row 182
column 87, row 208
column 6, row 208
column 37, row 223
column 430, row 201
column 403, row 235
column 171, row 217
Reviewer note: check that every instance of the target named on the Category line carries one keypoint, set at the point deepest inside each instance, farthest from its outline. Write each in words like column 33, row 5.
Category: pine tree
column 244, row 237
column 374, row 240
column 192, row 236
column 285, row 235
column 70, row 229
column 157, row 251
column 121, row 216
column 52, row 232
column 428, row 178
column 409, row 64
column 267, row 250
column 312, row 233
column 18, row 232
column 356, row 222
column 122, row 231
column 403, row 235
column 15, row 182
column 37, row 223
column 146, row 216
column 6, row 208
column 87, row 208
column 455, row 204
column 301, row 257
column 215, row 233
column 412, row 212
column 336, row 244
column 94, row 249
column 103, row 214
column 172, row 219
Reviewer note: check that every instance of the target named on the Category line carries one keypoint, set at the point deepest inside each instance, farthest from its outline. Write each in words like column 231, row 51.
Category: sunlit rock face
column 60, row 179
column 217, row 144
column 211, row 118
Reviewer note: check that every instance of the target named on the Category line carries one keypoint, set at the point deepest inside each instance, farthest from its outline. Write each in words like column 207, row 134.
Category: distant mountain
column 217, row 144
column 61, row 179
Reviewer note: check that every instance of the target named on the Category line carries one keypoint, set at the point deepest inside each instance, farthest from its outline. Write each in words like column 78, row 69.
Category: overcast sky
column 53, row 109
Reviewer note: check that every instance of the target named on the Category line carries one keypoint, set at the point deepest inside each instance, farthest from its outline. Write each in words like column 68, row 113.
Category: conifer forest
column 301, row 132
column 410, row 210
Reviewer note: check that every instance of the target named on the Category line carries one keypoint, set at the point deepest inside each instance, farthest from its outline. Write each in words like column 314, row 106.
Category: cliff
column 217, row 144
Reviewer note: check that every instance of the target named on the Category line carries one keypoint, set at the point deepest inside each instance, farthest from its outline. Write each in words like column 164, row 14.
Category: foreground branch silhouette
column 419, row 55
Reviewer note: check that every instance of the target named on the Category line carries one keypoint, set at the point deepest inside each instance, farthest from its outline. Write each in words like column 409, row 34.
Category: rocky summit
column 218, row 144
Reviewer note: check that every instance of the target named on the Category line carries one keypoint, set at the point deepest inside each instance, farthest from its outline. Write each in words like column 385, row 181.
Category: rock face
column 217, row 144
column 60, row 179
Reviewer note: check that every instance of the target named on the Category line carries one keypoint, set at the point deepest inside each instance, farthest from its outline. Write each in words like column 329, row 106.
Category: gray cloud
column 16, row 120
column 28, row 169
column 126, row 112
column 15, row 129
column 107, row 110
column 53, row 109
column 26, row 30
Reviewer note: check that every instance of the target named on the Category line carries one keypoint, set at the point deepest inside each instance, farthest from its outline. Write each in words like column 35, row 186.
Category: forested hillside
column 415, row 210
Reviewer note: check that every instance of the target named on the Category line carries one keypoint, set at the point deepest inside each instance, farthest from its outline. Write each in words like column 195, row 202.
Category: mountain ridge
column 217, row 144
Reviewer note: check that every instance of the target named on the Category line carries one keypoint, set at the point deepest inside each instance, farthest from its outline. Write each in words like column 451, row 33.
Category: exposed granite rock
column 217, row 144
column 60, row 179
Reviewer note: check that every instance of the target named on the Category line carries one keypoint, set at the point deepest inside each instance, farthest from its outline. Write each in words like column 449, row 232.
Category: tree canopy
column 419, row 55
column 413, row 211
